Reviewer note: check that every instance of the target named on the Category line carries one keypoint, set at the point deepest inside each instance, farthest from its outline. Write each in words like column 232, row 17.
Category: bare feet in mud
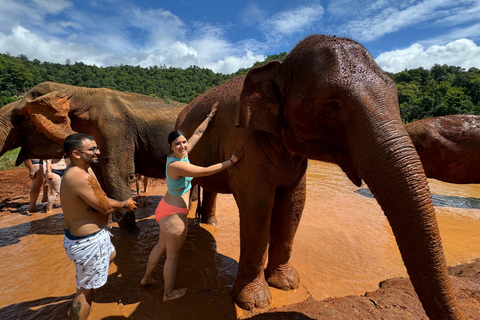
column 147, row 280
column 175, row 294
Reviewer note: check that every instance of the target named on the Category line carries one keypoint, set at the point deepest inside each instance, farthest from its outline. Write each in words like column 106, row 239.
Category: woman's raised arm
column 201, row 128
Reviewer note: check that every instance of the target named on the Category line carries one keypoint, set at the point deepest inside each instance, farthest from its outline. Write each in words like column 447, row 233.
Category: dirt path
column 38, row 288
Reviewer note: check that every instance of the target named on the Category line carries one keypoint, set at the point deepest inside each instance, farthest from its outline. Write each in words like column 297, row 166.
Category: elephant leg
column 209, row 207
column 250, row 289
column 287, row 211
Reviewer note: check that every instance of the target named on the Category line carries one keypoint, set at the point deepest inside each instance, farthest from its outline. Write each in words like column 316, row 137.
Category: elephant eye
column 18, row 119
column 333, row 105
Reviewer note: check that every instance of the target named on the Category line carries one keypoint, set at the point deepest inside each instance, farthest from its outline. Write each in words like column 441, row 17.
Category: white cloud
column 462, row 52
column 392, row 19
column 52, row 6
column 294, row 21
column 284, row 23
column 370, row 20
column 231, row 64
column 22, row 41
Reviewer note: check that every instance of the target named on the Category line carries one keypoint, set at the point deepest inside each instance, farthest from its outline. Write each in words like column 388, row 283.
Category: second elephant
column 130, row 129
column 449, row 147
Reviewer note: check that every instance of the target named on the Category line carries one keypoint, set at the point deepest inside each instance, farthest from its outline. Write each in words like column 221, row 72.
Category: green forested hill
column 442, row 90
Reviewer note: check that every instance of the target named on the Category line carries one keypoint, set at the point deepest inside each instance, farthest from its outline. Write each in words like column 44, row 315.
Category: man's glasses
column 92, row 149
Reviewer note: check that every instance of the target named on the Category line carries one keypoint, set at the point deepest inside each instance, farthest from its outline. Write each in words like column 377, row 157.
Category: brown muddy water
column 344, row 246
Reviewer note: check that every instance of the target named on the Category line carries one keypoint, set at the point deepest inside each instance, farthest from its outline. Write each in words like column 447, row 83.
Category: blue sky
column 229, row 34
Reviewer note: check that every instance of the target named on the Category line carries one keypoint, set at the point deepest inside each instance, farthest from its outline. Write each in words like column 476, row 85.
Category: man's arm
column 89, row 190
column 49, row 172
column 31, row 169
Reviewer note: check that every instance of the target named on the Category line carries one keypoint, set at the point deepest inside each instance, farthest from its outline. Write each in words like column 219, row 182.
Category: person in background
column 86, row 208
column 36, row 173
column 54, row 172
column 139, row 177
column 171, row 213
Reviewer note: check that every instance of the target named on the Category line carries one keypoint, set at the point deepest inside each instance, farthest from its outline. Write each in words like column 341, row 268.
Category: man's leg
column 81, row 304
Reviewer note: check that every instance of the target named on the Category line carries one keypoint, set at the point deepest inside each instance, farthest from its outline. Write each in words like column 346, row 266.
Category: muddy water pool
column 344, row 246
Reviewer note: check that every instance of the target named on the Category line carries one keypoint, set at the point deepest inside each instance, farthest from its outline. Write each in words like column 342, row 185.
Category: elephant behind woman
column 328, row 100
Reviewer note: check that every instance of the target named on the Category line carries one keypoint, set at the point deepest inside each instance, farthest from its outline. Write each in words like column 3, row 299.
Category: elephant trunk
column 392, row 169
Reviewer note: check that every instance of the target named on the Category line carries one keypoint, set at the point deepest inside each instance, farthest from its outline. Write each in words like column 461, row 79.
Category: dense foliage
column 442, row 90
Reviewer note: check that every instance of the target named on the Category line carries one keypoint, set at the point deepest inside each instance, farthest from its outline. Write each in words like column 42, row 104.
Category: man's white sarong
column 91, row 256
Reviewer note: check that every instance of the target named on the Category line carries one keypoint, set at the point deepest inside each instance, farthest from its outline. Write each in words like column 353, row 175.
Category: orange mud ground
column 343, row 249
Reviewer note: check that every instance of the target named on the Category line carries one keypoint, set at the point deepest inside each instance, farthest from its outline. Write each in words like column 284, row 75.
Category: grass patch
column 7, row 161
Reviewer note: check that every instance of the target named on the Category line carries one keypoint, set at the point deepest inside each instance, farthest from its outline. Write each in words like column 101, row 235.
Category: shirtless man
column 86, row 208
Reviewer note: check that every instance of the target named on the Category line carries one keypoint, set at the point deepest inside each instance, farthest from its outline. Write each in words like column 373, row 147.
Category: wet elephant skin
column 329, row 101
column 449, row 147
column 130, row 129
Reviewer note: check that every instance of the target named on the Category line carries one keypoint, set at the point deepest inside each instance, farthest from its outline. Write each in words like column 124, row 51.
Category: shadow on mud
column 207, row 275
column 45, row 308
column 439, row 200
column 50, row 225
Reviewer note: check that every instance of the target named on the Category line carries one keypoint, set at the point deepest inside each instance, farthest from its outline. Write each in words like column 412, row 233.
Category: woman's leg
column 175, row 229
column 36, row 187
column 54, row 186
column 153, row 259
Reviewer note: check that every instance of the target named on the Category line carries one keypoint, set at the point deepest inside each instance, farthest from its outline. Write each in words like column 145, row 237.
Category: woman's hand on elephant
column 237, row 155
column 213, row 111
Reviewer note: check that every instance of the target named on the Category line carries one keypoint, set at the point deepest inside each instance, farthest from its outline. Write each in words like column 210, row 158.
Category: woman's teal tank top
column 181, row 185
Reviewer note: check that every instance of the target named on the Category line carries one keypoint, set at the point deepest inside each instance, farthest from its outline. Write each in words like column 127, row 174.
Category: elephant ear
column 49, row 113
column 259, row 106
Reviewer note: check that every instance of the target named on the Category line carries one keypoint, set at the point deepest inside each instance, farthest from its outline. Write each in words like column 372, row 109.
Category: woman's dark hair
column 174, row 135
column 75, row 142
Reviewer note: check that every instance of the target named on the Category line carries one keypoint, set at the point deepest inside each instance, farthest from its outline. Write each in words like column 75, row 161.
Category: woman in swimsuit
column 54, row 173
column 172, row 211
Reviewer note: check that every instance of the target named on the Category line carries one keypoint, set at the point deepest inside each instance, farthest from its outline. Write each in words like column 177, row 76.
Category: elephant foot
column 284, row 277
column 211, row 220
column 128, row 224
column 255, row 294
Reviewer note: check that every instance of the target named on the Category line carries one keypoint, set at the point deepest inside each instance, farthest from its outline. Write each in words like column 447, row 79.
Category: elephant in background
column 130, row 129
column 329, row 101
column 449, row 147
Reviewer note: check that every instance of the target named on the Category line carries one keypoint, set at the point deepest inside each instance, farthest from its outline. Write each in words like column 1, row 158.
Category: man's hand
column 131, row 205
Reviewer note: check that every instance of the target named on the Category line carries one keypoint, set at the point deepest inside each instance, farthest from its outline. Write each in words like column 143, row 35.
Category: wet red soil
column 37, row 279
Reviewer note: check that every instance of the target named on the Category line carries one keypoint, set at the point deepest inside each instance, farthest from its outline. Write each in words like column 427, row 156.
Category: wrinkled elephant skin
column 328, row 100
column 130, row 129
column 449, row 147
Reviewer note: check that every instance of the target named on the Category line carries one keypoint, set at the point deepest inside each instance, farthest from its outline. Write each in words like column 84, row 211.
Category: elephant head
column 328, row 100
column 37, row 125
column 130, row 129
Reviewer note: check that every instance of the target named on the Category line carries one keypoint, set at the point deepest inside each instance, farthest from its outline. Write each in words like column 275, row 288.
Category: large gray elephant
column 328, row 100
column 130, row 129
column 449, row 147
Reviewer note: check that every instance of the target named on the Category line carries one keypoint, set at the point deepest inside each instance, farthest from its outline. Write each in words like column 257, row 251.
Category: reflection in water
column 344, row 246
column 440, row 200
